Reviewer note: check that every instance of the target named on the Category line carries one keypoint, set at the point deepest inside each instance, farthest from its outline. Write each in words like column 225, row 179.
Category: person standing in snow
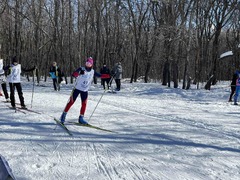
column 55, row 74
column 233, row 86
column 3, row 83
column 84, row 77
column 14, row 79
column 117, row 72
column 237, row 88
column 105, row 76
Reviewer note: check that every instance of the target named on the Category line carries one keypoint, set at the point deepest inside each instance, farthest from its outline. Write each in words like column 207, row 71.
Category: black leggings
column 4, row 88
column 20, row 93
column 233, row 89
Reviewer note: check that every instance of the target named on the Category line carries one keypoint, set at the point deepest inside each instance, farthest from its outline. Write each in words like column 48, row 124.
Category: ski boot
column 23, row 107
column 81, row 120
column 62, row 118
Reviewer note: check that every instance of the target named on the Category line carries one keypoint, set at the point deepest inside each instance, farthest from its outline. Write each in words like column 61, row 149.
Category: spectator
column 56, row 76
column 118, row 75
column 105, row 76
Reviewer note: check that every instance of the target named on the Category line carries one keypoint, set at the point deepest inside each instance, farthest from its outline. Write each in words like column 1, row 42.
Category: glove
column 82, row 71
column 75, row 74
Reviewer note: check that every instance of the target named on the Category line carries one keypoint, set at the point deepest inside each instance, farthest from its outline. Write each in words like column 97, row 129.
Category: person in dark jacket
column 105, row 76
column 56, row 76
column 233, row 85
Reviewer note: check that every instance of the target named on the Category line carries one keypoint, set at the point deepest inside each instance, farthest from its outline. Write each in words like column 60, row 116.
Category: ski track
column 208, row 127
column 96, row 155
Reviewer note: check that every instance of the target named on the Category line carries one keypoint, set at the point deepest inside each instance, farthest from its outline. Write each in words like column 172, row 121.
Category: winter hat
column 89, row 62
column 14, row 59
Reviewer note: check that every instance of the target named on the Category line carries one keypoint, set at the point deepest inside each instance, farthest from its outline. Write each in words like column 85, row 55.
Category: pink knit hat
column 89, row 61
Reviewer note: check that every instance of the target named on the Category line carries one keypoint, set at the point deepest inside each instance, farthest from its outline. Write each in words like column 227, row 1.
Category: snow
column 159, row 133
column 226, row 54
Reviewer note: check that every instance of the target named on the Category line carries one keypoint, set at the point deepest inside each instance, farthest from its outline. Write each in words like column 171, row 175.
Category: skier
column 105, row 76
column 84, row 77
column 56, row 76
column 233, row 85
column 237, row 87
column 14, row 79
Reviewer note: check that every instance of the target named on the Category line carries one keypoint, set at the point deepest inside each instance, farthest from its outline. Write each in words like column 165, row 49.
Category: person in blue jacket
column 56, row 76
column 237, row 87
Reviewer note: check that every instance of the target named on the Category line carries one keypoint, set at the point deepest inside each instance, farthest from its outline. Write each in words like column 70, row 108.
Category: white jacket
column 84, row 81
column 14, row 76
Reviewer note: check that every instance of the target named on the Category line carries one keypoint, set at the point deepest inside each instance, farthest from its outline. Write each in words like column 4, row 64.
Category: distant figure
column 3, row 83
column 117, row 70
column 3, row 86
column 14, row 79
column 237, row 88
column 105, row 76
column 233, row 86
column 56, row 76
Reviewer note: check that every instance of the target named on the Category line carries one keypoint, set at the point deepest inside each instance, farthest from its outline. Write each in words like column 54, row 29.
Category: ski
column 114, row 92
column 30, row 110
column 23, row 110
column 63, row 126
column 17, row 109
column 10, row 102
column 91, row 126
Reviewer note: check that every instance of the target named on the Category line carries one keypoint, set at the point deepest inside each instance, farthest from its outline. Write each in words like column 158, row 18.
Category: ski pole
column 96, row 106
column 101, row 98
column 110, row 82
column 34, row 71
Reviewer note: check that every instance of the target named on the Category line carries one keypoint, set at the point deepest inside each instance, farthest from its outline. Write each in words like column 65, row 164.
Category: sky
column 159, row 133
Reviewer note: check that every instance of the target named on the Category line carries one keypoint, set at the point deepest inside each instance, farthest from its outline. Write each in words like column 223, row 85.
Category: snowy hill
column 160, row 133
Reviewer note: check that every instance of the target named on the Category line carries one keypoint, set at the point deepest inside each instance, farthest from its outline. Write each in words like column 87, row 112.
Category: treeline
column 166, row 40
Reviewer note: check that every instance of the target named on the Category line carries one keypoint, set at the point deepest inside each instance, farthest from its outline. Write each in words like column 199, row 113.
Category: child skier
column 14, row 79
column 84, row 77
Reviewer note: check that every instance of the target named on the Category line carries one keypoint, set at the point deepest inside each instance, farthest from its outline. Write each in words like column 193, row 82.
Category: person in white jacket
column 84, row 77
column 14, row 79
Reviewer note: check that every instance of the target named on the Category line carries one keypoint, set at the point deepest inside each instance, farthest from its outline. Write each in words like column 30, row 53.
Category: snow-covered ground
column 160, row 133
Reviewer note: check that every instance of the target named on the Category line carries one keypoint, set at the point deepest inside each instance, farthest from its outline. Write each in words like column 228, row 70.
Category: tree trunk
column 166, row 74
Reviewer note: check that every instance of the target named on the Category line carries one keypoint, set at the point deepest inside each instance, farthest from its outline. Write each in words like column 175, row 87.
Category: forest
column 156, row 40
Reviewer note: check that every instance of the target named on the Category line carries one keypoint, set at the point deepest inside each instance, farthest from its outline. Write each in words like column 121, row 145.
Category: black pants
column 233, row 88
column 118, row 84
column 105, row 81
column 18, row 86
column 56, row 84
column 4, row 88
